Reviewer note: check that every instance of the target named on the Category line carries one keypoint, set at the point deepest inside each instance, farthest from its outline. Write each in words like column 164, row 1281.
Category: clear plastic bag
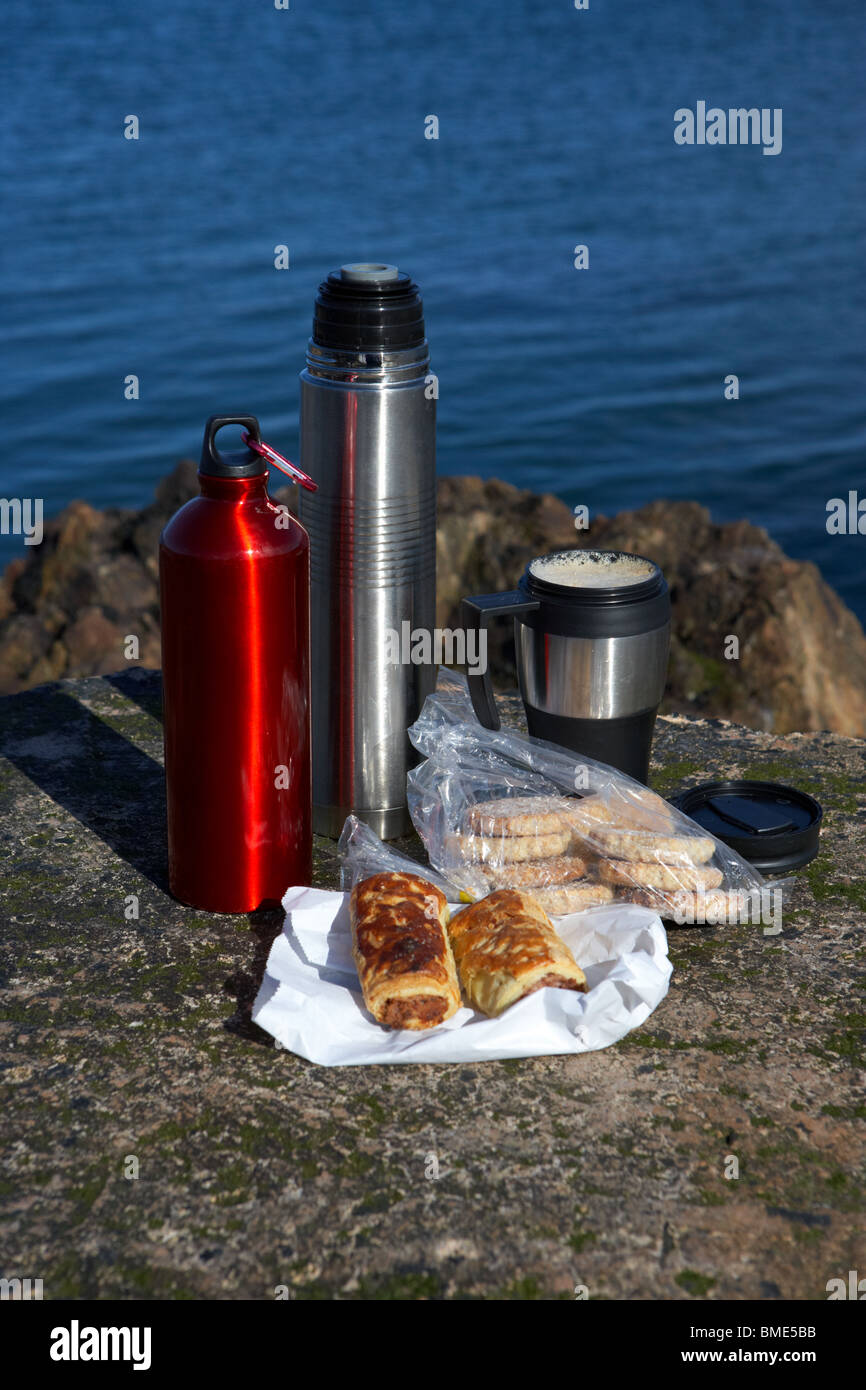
column 363, row 854
column 499, row 809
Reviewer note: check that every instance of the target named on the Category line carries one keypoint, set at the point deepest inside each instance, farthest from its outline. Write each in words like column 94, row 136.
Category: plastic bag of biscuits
column 500, row 809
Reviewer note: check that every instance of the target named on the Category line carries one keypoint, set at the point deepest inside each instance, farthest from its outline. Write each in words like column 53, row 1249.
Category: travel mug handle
column 475, row 614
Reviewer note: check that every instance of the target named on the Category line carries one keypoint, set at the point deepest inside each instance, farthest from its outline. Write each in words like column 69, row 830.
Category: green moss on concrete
column 708, row 1197
column 846, row 1043
column 150, row 1282
column 526, row 1289
column 401, row 1287
column 825, row 889
column 672, row 777
column 85, row 1192
column 835, row 790
column 840, row 1112
column 663, row 1041
column 695, row 1284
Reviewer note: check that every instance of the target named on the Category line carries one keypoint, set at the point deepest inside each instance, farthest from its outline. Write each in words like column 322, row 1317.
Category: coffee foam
column 592, row 569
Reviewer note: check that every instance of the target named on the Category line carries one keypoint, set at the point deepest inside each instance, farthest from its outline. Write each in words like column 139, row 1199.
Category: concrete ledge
column 129, row 1039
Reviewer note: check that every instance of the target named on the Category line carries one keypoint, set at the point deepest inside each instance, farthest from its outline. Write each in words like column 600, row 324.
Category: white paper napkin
column 310, row 998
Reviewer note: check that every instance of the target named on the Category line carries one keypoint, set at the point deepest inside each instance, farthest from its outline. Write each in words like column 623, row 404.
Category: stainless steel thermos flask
column 234, row 593
column 367, row 426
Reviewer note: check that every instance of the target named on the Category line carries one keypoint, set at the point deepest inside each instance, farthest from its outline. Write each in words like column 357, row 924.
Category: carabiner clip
column 285, row 466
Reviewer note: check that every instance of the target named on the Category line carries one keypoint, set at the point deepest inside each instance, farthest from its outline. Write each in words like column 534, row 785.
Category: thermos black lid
column 773, row 826
column 368, row 307
column 245, row 463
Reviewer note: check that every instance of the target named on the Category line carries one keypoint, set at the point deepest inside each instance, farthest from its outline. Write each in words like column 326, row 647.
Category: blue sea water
column 306, row 127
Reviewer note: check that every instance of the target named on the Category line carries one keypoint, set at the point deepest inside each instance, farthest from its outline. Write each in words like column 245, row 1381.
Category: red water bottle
column 234, row 578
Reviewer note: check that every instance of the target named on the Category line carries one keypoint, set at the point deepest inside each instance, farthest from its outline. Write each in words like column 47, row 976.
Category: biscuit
column 517, row 815
column 506, row 849
column 714, row 906
column 638, row 807
column 668, row 877
column 645, row 847
column 572, row 898
column 536, row 873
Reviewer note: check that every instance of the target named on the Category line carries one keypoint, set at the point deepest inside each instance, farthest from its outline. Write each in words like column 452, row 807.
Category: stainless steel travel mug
column 368, row 420
column 592, row 633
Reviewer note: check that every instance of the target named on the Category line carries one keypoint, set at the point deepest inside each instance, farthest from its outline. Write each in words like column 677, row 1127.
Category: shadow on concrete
column 244, row 985
column 141, row 685
column 92, row 771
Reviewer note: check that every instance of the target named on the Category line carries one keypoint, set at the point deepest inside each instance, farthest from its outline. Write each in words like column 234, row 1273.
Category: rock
column 802, row 652
column 69, row 568
column 487, row 530
column 67, row 606
column 171, row 493
column 8, row 580
column 93, row 643
column 25, row 642
column 50, row 666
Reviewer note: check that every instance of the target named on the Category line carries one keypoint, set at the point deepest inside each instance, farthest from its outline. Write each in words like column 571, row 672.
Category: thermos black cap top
column 368, row 306
column 365, row 272
column 245, row 463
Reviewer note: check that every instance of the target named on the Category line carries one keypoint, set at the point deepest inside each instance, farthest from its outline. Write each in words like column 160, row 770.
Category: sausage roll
column 506, row 947
column 402, row 951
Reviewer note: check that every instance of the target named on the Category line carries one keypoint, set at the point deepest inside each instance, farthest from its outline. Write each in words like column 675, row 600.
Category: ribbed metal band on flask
column 368, row 437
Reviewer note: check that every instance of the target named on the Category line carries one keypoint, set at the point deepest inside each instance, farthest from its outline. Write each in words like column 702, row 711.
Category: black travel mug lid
column 243, row 463
column 774, row 827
